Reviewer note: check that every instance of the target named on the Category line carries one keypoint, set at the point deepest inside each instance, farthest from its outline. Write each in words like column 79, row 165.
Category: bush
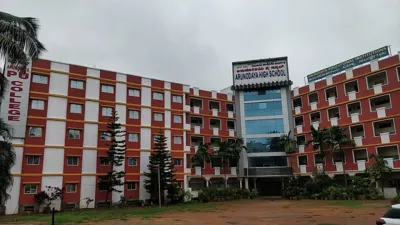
column 225, row 194
column 292, row 188
column 175, row 194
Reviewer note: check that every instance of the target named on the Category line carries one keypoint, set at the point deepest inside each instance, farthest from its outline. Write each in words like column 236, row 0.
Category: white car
column 391, row 217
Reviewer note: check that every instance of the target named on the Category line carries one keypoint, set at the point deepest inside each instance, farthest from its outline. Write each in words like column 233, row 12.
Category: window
column 70, row 188
column 213, row 105
column 30, row 188
column 33, row 160
column 331, row 93
column 375, row 79
column 267, row 126
column 196, row 103
column 131, row 185
column 106, row 111
column 262, row 95
column 266, row 144
column 177, row 98
column 313, row 98
column 105, row 136
column 303, row 160
column 134, row 92
column 333, row 113
column 158, row 96
column 319, row 159
column 351, row 86
column 74, row 134
column 196, row 141
column 40, row 79
column 103, row 186
column 216, row 162
column 178, row 162
column 75, row 108
column 263, row 109
column 177, row 140
column 315, row 117
column 107, row 88
column 177, row 119
column 37, row 104
column 297, row 102
column 104, row 161
column 72, row 160
column 132, row 162
column 158, row 117
column 268, row 161
column 134, row 114
column 360, row 154
column 229, row 107
column 35, row 131
column 299, row 121
column 76, row 84
column 133, row 137
column 338, row 157
column 215, row 123
column 230, row 124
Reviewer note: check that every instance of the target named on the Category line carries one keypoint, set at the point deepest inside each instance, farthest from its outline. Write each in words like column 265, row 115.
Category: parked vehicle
column 391, row 217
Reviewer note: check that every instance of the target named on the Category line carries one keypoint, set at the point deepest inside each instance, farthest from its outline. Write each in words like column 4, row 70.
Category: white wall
column 89, row 161
column 58, row 83
column 53, row 161
column 167, row 118
column 146, row 116
column 167, row 99
column 93, row 72
column 146, row 96
column 92, row 88
column 13, row 204
column 91, row 111
column 57, row 107
column 121, row 92
column 59, row 66
column 121, row 110
column 90, row 135
column 52, row 181
column 88, row 189
column 55, row 134
column 143, row 194
column 167, row 134
column 19, row 156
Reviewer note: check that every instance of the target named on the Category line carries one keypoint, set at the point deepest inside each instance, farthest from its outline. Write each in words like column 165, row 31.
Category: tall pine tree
column 160, row 157
column 116, row 157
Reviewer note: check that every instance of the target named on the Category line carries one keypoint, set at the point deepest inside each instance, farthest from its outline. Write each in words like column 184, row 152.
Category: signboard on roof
column 359, row 60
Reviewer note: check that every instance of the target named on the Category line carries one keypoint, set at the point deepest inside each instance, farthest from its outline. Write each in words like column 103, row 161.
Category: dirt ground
column 271, row 212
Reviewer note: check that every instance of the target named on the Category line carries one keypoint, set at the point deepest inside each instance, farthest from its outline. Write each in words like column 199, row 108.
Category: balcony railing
column 268, row 171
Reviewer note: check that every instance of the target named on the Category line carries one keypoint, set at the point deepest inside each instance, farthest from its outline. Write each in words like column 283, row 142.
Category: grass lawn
column 108, row 214
column 347, row 203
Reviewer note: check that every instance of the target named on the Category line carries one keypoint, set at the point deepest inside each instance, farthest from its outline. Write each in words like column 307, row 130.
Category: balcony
column 214, row 107
column 196, row 104
column 313, row 100
column 299, row 122
column 315, row 119
column 230, row 109
column 331, row 95
column 301, row 141
column 351, row 89
column 196, row 123
column 268, row 171
column 388, row 153
column 303, row 163
column 383, row 129
column 297, row 104
column 333, row 115
column 215, row 126
column 376, row 81
column 354, row 108
column 357, row 133
column 338, row 160
column 214, row 143
column 195, row 141
column 360, row 158
column 380, row 104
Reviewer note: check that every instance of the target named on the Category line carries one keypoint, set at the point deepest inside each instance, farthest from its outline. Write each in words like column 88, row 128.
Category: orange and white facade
column 362, row 100
column 59, row 112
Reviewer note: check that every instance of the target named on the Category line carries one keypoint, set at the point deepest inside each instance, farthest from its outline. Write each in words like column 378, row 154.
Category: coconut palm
column 287, row 142
column 18, row 41
column 202, row 156
column 320, row 138
column 379, row 170
column 7, row 160
column 338, row 142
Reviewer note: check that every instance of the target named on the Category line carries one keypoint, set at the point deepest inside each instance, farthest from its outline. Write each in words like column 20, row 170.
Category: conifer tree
column 116, row 156
column 160, row 157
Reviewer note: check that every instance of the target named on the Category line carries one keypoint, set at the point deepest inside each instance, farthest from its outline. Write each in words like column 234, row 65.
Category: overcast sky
column 195, row 42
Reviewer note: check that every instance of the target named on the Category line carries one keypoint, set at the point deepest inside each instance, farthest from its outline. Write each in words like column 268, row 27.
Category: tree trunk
column 226, row 181
column 344, row 172
column 290, row 163
column 108, row 192
column 383, row 192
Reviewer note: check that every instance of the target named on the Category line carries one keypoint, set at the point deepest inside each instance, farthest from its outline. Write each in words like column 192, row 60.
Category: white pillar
column 246, row 183
column 240, row 183
column 255, row 183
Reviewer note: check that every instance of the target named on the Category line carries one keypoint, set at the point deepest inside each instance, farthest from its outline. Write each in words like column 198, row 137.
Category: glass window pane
column 134, row 92
column 133, row 114
column 177, row 140
column 133, row 137
column 177, row 162
column 177, row 98
column 158, row 96
column 76, row 108
column 264, row 145
column 262, row 95
column 37, row 104
column 177, row 119
column 158, row 117
column 263, row 109
column 35, row 131
column 268, row 161
column 39, row 79
column 267, row 126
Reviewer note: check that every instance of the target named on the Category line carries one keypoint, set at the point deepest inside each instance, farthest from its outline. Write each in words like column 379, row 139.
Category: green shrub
column 225, row 194
column 292, row 188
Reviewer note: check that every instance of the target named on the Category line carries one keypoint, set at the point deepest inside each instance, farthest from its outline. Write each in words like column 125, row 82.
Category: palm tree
column 7, row 160
column 18, row 41
column 337, row 142
column 201, row 156
column 320, row 138
column 287, row 142
column 379, row 170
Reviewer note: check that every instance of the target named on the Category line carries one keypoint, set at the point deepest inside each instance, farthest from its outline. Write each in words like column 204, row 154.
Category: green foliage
column 225, row 194
column 292, row 188
column 160, row 160
column 115, row 156
column 7, row 160
column 175, row 193
column 315, row 186
column 287, row 142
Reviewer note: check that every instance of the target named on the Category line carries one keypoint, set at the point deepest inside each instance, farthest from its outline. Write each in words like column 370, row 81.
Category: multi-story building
column 362, row 100
column 263, row 114
column 60, row 111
